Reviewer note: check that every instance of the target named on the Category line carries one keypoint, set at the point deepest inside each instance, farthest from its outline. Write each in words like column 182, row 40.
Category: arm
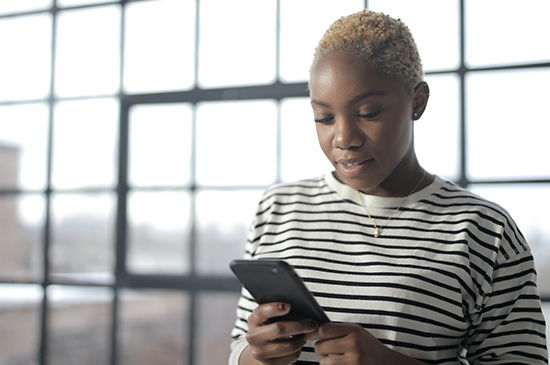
column 510, row 326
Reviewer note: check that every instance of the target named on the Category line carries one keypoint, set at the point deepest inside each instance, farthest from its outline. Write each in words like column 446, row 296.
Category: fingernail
column 283, row 307
column 311, row 325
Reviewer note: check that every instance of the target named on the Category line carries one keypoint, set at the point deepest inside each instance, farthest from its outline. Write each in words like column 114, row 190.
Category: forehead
column 348, row 73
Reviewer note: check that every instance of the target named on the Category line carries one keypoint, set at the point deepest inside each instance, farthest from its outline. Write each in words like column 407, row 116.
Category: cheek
column 376, row 135
column 325, row 140
column 390, row 138
column 397, row 127
column 323, row 136
column 397, row 139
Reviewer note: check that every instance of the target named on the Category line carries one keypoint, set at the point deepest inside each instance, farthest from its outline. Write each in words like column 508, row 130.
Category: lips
column 352, row 164
column 353, row 167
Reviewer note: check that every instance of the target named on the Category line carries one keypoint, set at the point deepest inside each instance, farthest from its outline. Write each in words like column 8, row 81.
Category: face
column 364, row 125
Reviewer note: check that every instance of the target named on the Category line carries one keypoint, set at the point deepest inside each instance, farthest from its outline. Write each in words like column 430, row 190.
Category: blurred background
column 136, row 138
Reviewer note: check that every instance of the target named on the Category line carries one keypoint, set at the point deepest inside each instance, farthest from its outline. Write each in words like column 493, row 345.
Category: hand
column 278, row 343
column 348, row 343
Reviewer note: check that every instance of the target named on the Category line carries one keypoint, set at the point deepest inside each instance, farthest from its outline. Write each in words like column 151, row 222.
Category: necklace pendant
column 377, row 232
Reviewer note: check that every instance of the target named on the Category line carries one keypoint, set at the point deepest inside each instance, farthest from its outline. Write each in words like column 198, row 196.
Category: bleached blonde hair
column 384, row 42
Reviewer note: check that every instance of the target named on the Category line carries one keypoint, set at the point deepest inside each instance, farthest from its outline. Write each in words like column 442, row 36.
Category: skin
column 362, row 117
column 271, row 343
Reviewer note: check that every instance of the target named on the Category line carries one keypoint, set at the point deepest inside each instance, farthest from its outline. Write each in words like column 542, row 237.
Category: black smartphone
column 276, row 281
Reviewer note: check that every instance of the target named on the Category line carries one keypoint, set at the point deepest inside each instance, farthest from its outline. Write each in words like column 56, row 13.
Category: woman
column 410, row 268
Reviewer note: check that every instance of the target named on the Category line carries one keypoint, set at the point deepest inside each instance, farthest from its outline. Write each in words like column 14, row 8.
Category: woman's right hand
column 277, row 343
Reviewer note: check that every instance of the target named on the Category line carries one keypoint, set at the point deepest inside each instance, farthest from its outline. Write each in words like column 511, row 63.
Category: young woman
column 410, row 268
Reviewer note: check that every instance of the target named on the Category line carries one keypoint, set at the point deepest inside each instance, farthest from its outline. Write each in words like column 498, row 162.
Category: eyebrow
column 354, row 100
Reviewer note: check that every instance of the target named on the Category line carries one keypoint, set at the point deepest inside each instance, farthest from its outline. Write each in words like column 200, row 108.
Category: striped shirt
column 450, row 280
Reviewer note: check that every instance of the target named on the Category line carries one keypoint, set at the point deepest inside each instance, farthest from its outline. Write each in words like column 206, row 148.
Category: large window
column 136, row 138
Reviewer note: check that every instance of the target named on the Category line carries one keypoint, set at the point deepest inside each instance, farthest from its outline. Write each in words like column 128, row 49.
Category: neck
column 403, row 179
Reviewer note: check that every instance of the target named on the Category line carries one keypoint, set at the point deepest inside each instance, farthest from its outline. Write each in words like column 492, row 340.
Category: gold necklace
column 378, row 229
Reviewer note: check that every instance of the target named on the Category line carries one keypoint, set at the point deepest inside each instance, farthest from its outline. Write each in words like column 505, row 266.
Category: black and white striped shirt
column 450, row 280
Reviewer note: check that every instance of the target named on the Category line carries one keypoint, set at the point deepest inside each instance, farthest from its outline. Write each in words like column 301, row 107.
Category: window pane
column 435, row 31
column 301, row 155
column 22, row 154
column 21, row 224
column 161, row 55
column 65, row 3
column 88, row 52
column 153, row 327
column 493, row 41
column 82, row 245
column 236, row 143
column 25, row 70
column 160, row 132
column 437, row 133
column 237, row 42
column 84, row 143
column 79, row 325
column 14, row 6
column 303, row 23
column 20, row 308
column 216, row 316
column 508, row 134
column 158, row 232
column 528, row 206
column 223, row 220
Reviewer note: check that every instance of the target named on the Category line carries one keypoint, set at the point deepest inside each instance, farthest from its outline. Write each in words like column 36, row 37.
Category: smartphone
column 276, row 281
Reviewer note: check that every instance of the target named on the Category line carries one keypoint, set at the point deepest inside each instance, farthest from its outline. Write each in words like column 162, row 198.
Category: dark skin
column 364, row 117
column 365, row 128
column 278, row 343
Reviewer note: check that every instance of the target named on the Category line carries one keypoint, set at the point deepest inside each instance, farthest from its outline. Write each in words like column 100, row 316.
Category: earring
column 415, row 115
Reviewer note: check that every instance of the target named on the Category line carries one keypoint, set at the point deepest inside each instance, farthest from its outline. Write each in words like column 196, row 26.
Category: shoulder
column 286, row 206
column 298, row 200
column 304, row 186
column 307, row 190
column 453, row 199
column 488, row 218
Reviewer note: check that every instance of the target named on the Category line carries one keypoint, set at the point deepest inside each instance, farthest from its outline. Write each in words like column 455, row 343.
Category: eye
column 370, row 115
column 327, row 120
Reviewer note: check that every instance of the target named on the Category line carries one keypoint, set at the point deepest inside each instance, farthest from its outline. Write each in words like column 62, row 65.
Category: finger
column 285, row 329
column 289, row 359
column 262, row 313
column 333, row 339
column 335, row 330
column 285, row 360
column 312, row 336
column 279, row 330
column 341, row 339
column 331, row 347
column 334, row 360
column 278, row 349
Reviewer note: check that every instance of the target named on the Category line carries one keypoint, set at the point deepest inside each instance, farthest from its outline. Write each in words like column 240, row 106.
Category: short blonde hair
column 384, row 42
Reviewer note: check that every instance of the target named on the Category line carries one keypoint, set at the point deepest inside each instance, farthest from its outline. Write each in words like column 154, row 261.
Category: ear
column 420, row 97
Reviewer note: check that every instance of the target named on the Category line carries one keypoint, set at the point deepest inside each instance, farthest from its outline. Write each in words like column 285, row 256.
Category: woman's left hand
column 351, row 344
column 347, row 343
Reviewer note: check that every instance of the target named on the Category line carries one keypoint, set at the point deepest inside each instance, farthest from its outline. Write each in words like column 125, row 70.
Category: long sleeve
column 509, row 328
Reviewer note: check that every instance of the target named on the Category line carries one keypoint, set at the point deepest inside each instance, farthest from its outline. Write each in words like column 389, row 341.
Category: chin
column 357, row 184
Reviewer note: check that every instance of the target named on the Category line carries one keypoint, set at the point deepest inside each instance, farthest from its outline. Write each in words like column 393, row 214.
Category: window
column 136, row 138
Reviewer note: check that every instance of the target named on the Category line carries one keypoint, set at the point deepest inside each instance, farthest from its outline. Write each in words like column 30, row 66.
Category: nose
column 347, row 134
